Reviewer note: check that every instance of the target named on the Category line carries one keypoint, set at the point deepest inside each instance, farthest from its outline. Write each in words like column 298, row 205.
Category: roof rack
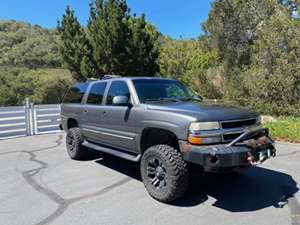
column 91, row 79
column 107, row 77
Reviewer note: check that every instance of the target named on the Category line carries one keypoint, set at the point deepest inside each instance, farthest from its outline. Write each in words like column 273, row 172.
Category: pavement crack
column 63, row 206
column 28, row 176
column 62, row 203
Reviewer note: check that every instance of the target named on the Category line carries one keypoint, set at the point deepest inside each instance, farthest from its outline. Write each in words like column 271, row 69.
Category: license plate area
column 262, row 155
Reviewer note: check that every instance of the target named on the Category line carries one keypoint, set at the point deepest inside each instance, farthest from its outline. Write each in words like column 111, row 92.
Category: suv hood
column 203, row 111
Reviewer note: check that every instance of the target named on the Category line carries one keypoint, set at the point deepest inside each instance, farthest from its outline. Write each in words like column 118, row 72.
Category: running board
column 113, row 152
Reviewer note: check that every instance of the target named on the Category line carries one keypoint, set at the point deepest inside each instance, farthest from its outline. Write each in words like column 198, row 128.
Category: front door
column 118, row 127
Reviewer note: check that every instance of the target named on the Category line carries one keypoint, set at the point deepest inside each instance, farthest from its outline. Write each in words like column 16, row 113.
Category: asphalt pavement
column 40, row 184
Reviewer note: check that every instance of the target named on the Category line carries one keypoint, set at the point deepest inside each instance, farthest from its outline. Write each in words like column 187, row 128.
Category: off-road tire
column 176, row 173
column 73, row 142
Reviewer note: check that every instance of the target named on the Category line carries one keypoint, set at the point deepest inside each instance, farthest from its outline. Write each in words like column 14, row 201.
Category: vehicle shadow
column 251, row 190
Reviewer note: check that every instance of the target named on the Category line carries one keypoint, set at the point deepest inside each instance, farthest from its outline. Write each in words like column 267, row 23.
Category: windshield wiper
column 191, row 99
column 163, row 100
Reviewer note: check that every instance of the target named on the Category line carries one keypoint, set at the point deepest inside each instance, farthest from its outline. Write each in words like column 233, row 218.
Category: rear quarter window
column 75, row 93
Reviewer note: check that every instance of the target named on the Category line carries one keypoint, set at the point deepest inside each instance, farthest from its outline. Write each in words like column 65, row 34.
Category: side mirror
column 121, row 100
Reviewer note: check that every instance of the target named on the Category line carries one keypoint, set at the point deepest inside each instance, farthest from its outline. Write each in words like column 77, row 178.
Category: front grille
column 238, row 123
column 230, row 137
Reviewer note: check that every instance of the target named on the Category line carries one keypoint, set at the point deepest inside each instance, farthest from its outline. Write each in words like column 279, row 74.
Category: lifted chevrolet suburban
column 165, row 127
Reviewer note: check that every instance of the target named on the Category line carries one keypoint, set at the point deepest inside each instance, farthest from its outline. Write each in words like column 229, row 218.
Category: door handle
column 85, row 111
column 104, row 113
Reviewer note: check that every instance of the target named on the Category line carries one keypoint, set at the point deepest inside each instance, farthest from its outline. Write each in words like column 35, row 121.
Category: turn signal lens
column 196, row 140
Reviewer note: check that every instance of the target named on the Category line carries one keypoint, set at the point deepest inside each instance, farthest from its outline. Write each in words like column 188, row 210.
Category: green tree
column 273, row 79
column 75, row 49
column 193, row 63
column 122, row 44
column 144, row 48
column 41, row 86
column 232, row 26
column 108, row 34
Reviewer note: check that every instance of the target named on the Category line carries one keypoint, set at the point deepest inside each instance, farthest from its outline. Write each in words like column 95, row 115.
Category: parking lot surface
column 39, row 185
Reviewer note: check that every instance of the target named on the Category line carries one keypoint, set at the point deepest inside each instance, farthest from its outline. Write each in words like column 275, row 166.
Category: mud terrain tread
column 178, row 177
column 79, row 151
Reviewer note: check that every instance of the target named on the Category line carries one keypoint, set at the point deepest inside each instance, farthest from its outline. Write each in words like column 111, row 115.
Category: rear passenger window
column 75, row 93
column 96, row 94
column 117, row 88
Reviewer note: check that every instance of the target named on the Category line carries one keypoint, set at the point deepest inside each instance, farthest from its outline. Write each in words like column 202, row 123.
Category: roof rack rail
column 91, row 79
column 107, row 77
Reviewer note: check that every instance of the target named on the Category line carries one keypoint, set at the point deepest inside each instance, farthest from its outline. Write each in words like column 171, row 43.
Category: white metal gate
column 13, row 122
column 29, row 120
column 46, row 118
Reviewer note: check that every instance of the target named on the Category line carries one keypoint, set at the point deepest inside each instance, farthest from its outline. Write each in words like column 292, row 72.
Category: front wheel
column 73, row 142
column 164, row 173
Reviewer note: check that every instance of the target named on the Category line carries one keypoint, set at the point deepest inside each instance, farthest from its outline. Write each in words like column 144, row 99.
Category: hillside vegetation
column 30, row 65
column 25, row 45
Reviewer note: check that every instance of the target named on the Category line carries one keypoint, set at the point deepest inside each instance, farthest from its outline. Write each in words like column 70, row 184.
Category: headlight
column 195, row 133
column 199, row 126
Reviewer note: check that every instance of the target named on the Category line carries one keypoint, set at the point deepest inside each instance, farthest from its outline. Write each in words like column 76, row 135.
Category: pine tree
column 108, row 32
column 144, row 47
column 113, row 43
column 122, row 44
column 74, row 47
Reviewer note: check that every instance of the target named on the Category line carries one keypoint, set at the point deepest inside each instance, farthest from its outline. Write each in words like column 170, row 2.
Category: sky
column 175, row 18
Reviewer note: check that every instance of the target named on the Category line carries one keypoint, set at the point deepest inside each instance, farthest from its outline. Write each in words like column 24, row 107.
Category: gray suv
column 165, row 127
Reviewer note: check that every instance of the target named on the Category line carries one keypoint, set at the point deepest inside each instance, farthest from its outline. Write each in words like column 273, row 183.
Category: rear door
column 92, row 119
column 118, row 127
column 72, row 104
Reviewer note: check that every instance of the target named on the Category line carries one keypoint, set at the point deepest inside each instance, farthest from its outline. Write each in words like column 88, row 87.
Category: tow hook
column 250, row 158
column 263, row 156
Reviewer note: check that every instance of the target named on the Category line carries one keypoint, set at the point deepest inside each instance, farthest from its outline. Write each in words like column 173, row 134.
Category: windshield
column 152, row 90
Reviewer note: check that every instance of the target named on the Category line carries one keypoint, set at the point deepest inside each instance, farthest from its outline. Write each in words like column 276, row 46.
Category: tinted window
column 75, row 94
column 158, row 89
column 96, row 94
column 117, row 88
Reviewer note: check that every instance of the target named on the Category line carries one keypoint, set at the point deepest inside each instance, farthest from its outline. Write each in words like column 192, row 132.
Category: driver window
column 117, row 88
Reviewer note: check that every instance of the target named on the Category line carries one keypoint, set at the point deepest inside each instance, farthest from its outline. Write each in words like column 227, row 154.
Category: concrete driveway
column 39, row 184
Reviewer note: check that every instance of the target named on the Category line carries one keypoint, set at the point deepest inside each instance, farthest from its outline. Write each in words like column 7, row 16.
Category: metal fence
column 29, row 120
column 46, row 118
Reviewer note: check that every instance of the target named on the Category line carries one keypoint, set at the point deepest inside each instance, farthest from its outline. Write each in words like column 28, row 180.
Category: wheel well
column 72, row 123
column 156, row 136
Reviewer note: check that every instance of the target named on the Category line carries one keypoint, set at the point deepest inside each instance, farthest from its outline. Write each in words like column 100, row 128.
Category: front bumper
column 250, row 148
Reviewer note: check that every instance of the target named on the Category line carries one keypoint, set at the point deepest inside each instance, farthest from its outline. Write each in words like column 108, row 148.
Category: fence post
column 35, row 130
column 32, row 119
column 29, row 117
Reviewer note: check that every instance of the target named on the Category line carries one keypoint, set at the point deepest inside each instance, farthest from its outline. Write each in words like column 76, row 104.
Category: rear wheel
column 73, row 141
column 164, row 173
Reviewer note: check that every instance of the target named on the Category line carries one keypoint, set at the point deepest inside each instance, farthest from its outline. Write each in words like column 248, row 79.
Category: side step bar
column 113, row 152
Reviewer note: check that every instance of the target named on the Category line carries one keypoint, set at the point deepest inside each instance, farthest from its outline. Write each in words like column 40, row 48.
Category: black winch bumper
column 250, row 148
